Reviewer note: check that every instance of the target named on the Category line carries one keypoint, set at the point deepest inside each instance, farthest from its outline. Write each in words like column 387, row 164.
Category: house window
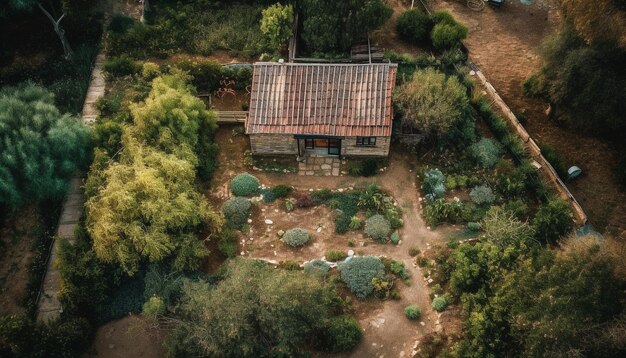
column 365, row 141
column 308, row 143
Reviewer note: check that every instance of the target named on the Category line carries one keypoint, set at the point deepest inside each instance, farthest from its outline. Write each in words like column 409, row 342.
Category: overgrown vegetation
column 277, row 311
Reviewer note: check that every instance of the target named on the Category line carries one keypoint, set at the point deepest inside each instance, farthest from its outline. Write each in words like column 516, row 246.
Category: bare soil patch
column 17, row 235
column 127, row 337
column 504, row 43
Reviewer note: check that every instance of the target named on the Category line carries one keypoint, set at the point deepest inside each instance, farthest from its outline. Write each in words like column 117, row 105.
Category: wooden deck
column 231, row 116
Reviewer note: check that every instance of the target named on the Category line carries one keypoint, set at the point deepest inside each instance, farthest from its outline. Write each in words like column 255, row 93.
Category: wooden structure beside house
column 322, row 109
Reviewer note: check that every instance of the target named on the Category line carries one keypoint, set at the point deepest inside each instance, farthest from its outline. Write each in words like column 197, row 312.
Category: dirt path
column 387, row 332
column 126, row 337
column 504, row 43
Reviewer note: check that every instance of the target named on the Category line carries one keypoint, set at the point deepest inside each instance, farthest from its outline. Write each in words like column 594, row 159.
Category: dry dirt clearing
column 504, row 43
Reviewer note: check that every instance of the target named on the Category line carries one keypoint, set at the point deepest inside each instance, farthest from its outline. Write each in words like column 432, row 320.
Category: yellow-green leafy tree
column 147, row 209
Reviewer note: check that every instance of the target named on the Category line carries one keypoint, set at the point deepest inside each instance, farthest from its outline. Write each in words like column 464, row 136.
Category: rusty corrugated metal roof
column 325, row 99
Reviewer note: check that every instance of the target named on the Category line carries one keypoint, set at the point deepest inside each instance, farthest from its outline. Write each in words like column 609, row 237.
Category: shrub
column 282, row 191
column 153, row 308
column 290, row 265
column 304, row 200
column 398, row 269
column 245, row 184
column 440, row 303
column 236, row 212
column 482, row 195
column 290, row 204
column 473, row 226
column 121, row 66
column 296, row 237
column 553, row 220
column 414, row 26
column 377, row 227
column 440, row 211
column 447, row 33
column 518, row 207
column 553, row 158
column 343, row 334
column 358, row 273
column 335, row 255
column 414, row 251
column 486, row 152
column 228, row 242
column 432, row 184
column 268, row 195
column 443, row 17
column 395, row 238
column 317, row 267
column 355, row 223
column 369, row 167
column 150, row 70
column 451, row 182
column 412, row 312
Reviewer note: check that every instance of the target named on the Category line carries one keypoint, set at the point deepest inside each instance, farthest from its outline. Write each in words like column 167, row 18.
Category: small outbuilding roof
column 324, row 99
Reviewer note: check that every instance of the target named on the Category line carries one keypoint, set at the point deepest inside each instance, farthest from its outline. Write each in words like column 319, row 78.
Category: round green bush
column 358, row 273
column 343, row 334
column 245, row 184
column 414, row 26
column 236, row 211
column 440, row 303
column 317, row 267
column 486, row 152
column 296, row 237
column 445, row 36
column 433, row 184
column 412, row 312
column 377, row 227
column 482, row 194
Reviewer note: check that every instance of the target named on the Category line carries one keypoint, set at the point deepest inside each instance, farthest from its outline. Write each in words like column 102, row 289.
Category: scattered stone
column 319, row 229
column 422, row 323
column 427, row 227
column 340, row 190
column 249, row 221
column 280, row 233
column 351, row 253
column 263, row 209
column 251, row 239
column 270, row 222
column 310, row 189
column 275, row 210
column 430, row 280
column 271, row 245
column 275, row 253
column 242, row 253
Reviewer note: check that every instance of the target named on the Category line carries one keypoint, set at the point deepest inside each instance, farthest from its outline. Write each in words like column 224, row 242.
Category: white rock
column 275, row 253
column 310, row 189
column 263, row 209
column 350, row 252
column 249, row 221
column 275, row 210
column 427, row 227
column 340, row 190
column 272, row 245
column 430, row 280
column 422, row 323
column 251, row 239
column 270, row 222
column 242, row 253
column 319, row 229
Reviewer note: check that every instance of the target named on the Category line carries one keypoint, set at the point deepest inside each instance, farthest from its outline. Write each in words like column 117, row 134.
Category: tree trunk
column 67, row 50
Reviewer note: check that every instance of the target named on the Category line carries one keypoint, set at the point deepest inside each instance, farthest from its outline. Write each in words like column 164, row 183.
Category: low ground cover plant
column 358, row 273
column 245, row 184
column 317, row 267
column 412, row 312
column 296, row 237
column 377, row 227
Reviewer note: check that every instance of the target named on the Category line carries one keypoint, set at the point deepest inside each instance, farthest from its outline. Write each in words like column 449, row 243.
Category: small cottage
column 321, row 109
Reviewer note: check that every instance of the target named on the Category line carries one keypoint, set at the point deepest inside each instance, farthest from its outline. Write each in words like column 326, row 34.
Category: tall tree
column 276, row 24
column 39, row 147
column 55, row 20
column 598, row 20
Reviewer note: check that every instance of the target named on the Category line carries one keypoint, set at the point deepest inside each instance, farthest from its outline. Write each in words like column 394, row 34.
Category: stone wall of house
column 271, row 144
column 381, row 149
